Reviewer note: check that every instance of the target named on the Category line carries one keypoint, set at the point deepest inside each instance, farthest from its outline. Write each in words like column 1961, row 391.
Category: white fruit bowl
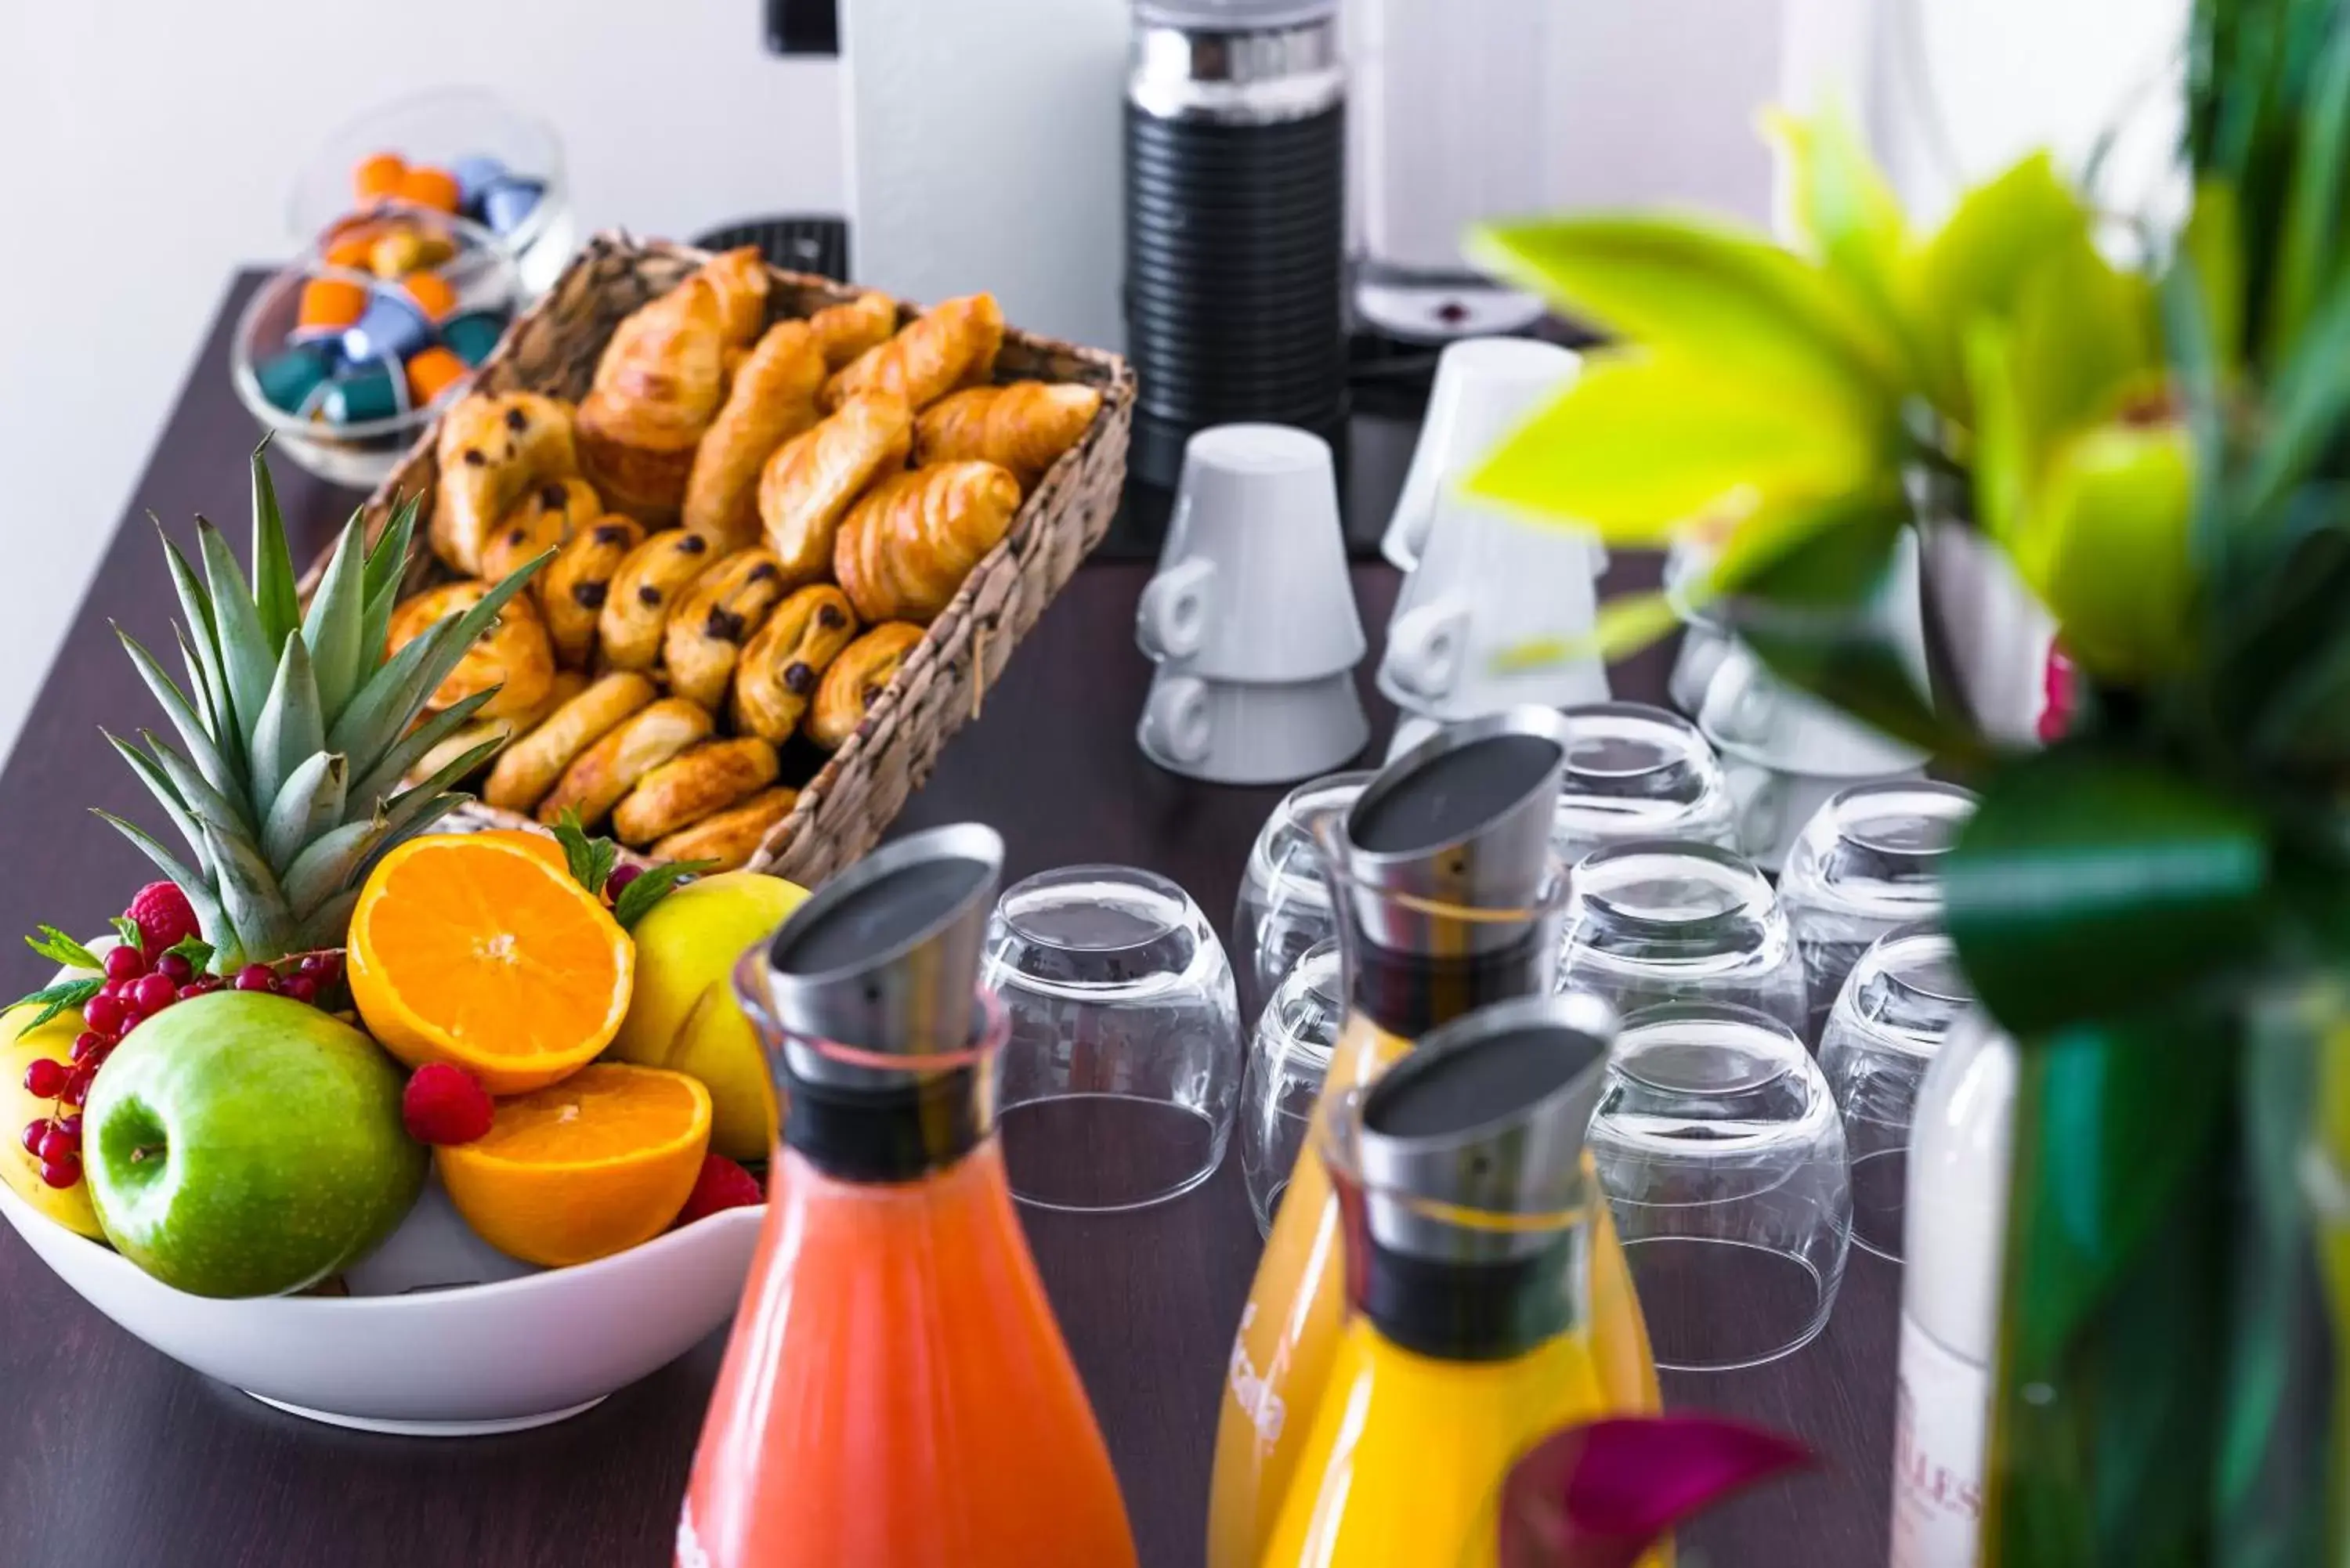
column 441, row 1335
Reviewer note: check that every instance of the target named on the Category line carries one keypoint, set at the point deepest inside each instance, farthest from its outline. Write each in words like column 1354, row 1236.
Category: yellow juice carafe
column 1447, row 899
column 1468, row 1221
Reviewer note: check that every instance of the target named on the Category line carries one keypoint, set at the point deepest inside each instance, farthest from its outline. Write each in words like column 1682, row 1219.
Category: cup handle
column 1171, row 619
column 1425, row 646
column 1175, row 718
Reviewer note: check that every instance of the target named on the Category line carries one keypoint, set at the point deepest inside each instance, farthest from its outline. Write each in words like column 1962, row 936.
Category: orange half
column 474, row 949
column 584, row 1168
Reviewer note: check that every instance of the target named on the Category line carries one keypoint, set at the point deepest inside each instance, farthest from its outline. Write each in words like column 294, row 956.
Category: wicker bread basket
column 843, row 809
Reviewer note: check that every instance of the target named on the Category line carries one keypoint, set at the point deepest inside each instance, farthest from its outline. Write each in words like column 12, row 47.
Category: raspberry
column 444, row 1104
column 163, row 916
column 722, row 1184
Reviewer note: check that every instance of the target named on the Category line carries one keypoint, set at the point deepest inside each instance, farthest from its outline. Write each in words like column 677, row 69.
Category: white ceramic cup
column 1484, row 389
column 1245, row 733
column 1253, row 583
column 1491, row 584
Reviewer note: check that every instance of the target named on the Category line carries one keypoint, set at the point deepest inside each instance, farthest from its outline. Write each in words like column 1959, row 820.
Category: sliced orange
column 474, row 949
column 542, row 844
column 587, row 1168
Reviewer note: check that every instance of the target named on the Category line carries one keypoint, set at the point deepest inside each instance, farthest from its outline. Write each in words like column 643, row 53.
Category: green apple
column 681, row 1012
column 242, row 1144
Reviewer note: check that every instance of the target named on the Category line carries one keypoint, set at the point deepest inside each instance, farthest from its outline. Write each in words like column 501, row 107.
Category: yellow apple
column 682, row 1015
column 20, row 1044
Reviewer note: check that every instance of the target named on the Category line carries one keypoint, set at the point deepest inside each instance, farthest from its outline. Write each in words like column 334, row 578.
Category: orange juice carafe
column 1447, row 899
column 896, row 1393
column 1468, row 1213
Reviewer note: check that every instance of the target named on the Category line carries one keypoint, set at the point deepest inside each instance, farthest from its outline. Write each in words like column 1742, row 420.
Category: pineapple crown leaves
column 294, row 731
column 591, row 861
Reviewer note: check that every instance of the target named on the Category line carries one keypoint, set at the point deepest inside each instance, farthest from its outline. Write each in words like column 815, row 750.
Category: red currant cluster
column 132, row 992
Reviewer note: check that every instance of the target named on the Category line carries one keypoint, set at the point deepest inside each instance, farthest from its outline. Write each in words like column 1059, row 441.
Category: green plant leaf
column 210, row 761
column 209, row 913
column 2115, row 494
column 1640, row 445
column 2308, row 401
column 386, row 565
column 330, row 864
column 249, row 656
column 333, row 625
column 127, row 932
column 195, row 950
column 364, row 798
column 160, row 785
column 53, row 999
column 196, row 613
column 60, row 948
column 1851, row 216
column 2092, row 886
column 251, row 899
column 310, row 802
column 292, row 727
column 277, row 592
column 1729, row 299
column 591, row 859
column 1976, row 264
column 2309, row 250
column 2211, row 244
column 651, row 887
column 393, row 696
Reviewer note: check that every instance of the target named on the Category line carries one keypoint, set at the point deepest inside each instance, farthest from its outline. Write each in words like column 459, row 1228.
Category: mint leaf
column 53, row 999
column 58, row 947
column 651, row 887
column 196, row 950
column 128, row 929
column 591, row 859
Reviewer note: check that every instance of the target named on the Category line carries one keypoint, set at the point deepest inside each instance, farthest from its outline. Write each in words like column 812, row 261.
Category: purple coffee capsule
column 475, row 175
column 391, row 327
column 508, row 204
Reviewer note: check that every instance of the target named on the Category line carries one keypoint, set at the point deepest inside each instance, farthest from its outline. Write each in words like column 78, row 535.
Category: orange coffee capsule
column 432, row 291
column 433, row 187
column 432, row 372
column 379, row 175
column 329, row 304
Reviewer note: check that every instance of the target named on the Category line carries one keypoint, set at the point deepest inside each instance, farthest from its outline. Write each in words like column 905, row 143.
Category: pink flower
column 1600, row 1494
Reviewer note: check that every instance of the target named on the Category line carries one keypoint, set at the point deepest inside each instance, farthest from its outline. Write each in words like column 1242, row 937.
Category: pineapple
column 296, row 732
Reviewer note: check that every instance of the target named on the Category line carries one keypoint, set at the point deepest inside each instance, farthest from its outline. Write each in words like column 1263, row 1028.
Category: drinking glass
column 1867, row 861
column 1123, row 1069
column 1723, row 1160
column 1887, row 1024
column 1284, row 905
column 1637, row 772
column 1649, row 922
column 1289, row 1055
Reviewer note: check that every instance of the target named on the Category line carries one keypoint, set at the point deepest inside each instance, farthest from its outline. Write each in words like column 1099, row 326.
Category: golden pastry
column 845, row 331
column 544, row 519
column 512, row 655
column 644, row 590
column 732, row 837
column 1024, row 428
column 778, row 675
column 692, row 784
column 904, row 550
column 706, row 630
column 573, row 586
column 527, row 769
column 813, row 478
column 773, row 400
column 740, row 278
column 490, row 450
column 598, row 776
column 951, row 344
column 657, row 390
column 568, row 684
column 857, row 680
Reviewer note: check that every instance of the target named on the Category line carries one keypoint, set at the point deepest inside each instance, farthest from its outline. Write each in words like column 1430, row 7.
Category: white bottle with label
column 1957, row 1229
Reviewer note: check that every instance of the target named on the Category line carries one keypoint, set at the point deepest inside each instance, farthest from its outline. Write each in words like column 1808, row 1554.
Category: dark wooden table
column 111, row 1454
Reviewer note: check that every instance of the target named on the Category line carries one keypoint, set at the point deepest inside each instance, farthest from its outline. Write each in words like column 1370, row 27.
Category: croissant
column 598, row 776
column 905, row 549
column 692, row 784
column 740, row 278
column 1025, row 427
column 706, row 630
column 656, row 388
column 528, row 768
column 512, row 655
column 846, row 331
column 857, row 680
column 644, row 590
column 544, row 519
column 812, row 477
column 575, row 585
column 734, row 836
column 772, row 398
column 780, row 667
column 952, row 344
column 490, row 450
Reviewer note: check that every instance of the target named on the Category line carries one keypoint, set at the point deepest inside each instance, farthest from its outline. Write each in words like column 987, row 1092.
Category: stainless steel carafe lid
column 1460, row 821
column 884, row 957
column 1486, row 1118
column 1235, row 62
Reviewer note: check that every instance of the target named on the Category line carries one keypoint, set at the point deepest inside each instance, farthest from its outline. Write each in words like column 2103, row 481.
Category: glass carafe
column 1459, row 954
column 1468, row 1235
column 896, row 1393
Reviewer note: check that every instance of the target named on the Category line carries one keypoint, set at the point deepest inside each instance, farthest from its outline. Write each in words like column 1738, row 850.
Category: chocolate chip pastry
column 784, row 664
column 645, row 590
column 714, row 619
column 573, row 586
column 857, row 680
column 544, row 519
column 489, row 451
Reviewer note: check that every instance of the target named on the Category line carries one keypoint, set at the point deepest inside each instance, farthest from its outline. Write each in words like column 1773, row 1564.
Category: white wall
column 146, row 147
